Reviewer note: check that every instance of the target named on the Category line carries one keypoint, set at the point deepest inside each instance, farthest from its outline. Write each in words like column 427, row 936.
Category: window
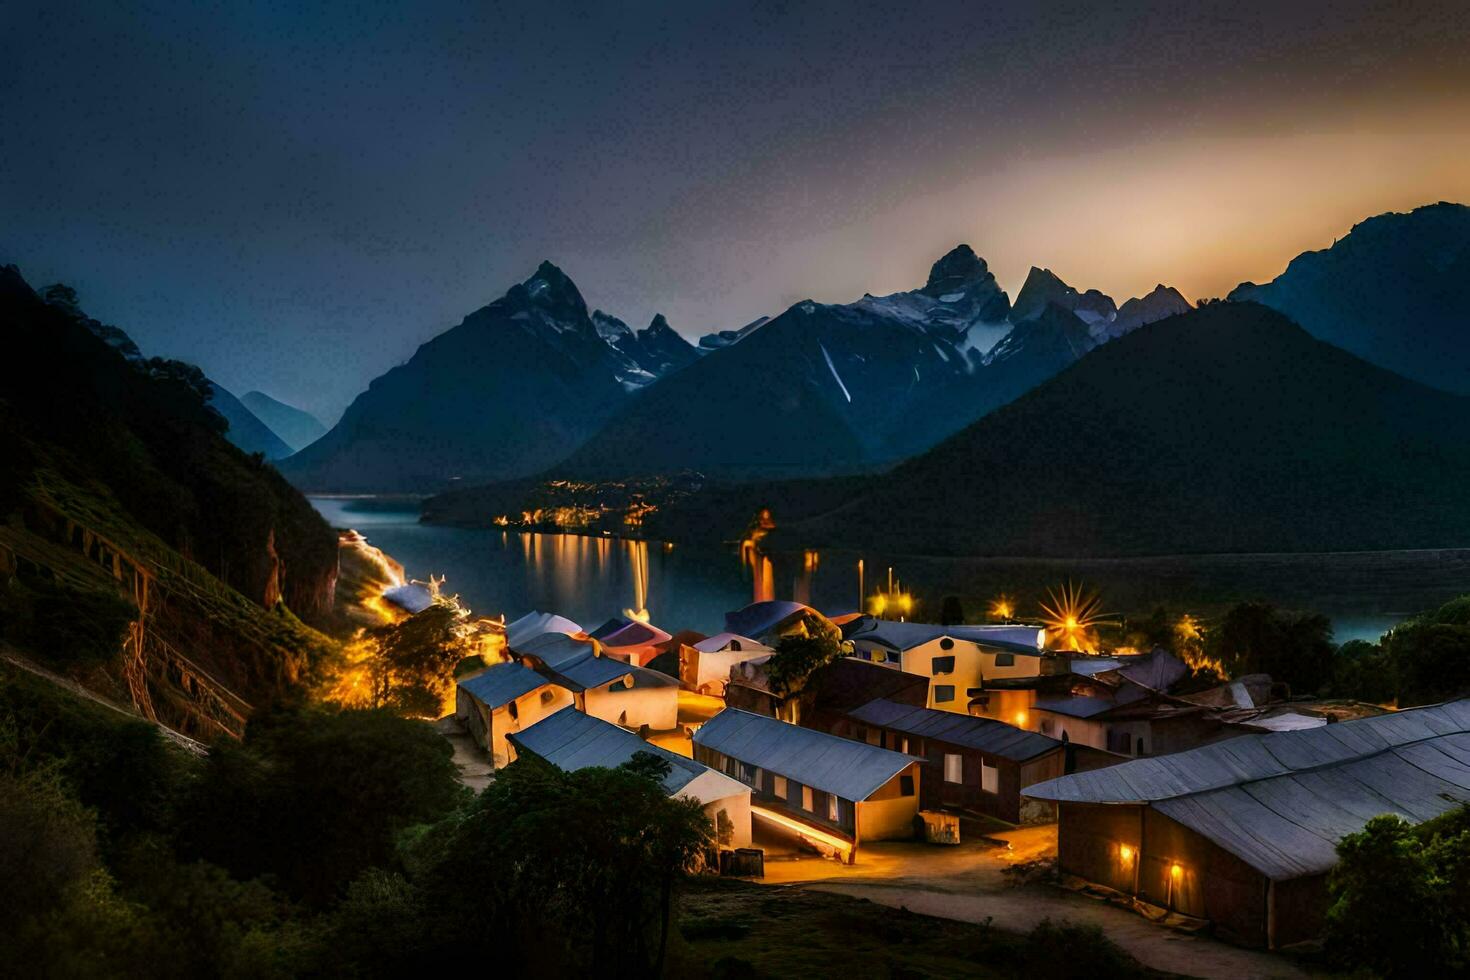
column 547, row 696
column 905, row 749
column 989, row 778
column 1046, row 726
column 942, row 665
column 954, row 768
column 1005, row 660
column 946, row 644
column 806, row 799
column 943, row 693
column 748, row 773
column 892, row 657
column 831, row 808
column 905, row 785
column 780, row 788
column 735, row 645
column 515, row 713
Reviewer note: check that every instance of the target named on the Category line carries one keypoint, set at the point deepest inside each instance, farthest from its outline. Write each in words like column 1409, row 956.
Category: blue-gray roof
column 572, row 740
column 983, row 734
column 502, row 684
column 759, row 618
column 1075, row 705
column 851, row 770
column 1281, row 801
column 906, row 636
column 575, row 662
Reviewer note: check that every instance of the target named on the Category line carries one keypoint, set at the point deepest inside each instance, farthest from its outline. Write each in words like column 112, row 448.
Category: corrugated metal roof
column 906, row 636
column 984, row 734
column 501, row 684
column 759, row 618
column 851, row 770
column 1281, row 801
column 635, row 634
column 575, row 661
column 1074, row 705
column 571, row 740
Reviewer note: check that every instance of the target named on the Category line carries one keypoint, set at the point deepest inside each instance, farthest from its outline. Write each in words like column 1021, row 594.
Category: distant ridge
column 296, row 428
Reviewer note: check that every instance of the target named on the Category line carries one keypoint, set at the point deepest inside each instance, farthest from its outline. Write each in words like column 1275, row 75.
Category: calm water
column 589, row 579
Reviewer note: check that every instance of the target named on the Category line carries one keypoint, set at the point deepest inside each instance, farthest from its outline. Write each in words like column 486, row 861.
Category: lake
column 589, row 579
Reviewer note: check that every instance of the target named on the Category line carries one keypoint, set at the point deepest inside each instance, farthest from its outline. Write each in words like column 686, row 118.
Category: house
column 704, row 666
column 771, row 619
column 534, row 624
column 969, row 763
column 832, row 791
column 572, row 740
column 961, row 661
column 1243, row 832
column 602, row 686
column 630, row 640
column 502, row 699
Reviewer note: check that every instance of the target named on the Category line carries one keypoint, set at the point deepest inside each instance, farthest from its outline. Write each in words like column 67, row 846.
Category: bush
column 66, row 627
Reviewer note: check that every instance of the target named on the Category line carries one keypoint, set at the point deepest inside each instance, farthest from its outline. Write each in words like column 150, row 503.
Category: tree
column 1294, row 648
column 1389, row 909
column 796, row 657
column 1430, row 655
column 413, row 663
column 317, row 796
column 559, row 872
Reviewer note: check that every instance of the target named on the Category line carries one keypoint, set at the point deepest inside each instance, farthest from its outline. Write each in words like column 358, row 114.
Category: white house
column 571, row 740
column 959, row 660
column 602, row 686
column 705, row 666
column 502, row 699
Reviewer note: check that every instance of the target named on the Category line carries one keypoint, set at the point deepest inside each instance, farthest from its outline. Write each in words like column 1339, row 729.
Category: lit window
column 989, row 778
column 780, row 788
column 806, row 799
column 943, row 693
column 942, row 665
column 831, row 808
column 954, row 768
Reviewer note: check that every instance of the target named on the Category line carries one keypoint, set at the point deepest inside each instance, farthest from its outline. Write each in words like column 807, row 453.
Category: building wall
column 762, row 783
column 973, row 665
column 737, row 808
column 656, row 707
column 1211, row 882
column 489, row 727
column 708, row 673
column 1011, row 707
column 888, row 814
column 1079, row 731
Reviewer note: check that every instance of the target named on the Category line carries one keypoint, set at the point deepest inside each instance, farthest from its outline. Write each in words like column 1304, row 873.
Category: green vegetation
column 1256, row 638
column 797, row 657
column 1401, row 898
column 1423, row 660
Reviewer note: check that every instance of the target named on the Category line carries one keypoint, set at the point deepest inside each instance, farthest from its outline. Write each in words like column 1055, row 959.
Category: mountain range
column 511, row 390
column 534, row 384
column 1225, row 429
column 296, row 428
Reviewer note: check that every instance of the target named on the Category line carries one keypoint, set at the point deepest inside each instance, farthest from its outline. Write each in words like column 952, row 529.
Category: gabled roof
column 1281, row 801
column 501, row 684
column 572, row 740
column 574, row 663
column 983, row 734
column 1075, row 705
column 535, row 624
column 760, row 618
column 906, row 636
column 634, row 634
column 851, row 770
column 721, row 641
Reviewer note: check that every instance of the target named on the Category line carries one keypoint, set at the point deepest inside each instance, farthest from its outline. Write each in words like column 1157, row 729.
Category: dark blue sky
column 296, row 198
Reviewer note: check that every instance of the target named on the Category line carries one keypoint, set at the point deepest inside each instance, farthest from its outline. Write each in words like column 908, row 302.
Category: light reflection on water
column 691, row 587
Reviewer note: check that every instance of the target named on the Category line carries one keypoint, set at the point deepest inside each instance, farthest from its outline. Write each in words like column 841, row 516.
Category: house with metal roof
column 970, row 763
column 503, row 699
column 961, row 661
column 833, row 791
column 603, row 686
column 1243, row 832
column 705, row 666
column 571, row 740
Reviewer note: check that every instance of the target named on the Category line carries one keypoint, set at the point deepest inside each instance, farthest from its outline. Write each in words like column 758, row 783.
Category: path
column 473, row 762
column 968, row 883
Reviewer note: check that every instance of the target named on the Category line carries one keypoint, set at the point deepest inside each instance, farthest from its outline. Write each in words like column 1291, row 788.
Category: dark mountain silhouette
column 118, row 483
column 513, row 388
column 1395, row 290
column 297, row 428
column 246, row 428
column 1228, row 428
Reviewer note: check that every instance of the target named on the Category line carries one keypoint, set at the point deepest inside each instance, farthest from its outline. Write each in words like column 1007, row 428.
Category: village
column 937, row 766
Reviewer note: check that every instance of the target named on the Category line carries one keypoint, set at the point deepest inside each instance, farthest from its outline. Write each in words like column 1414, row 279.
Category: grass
column 730, row 928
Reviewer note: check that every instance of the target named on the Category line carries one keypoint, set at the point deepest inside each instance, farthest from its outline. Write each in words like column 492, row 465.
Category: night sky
column 295, row 200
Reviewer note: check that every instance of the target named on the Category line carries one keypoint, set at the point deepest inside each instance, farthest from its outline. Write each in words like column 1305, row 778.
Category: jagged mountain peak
column 658, row 324
column 552, row 289
column 609, row 327
column 955, row 270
